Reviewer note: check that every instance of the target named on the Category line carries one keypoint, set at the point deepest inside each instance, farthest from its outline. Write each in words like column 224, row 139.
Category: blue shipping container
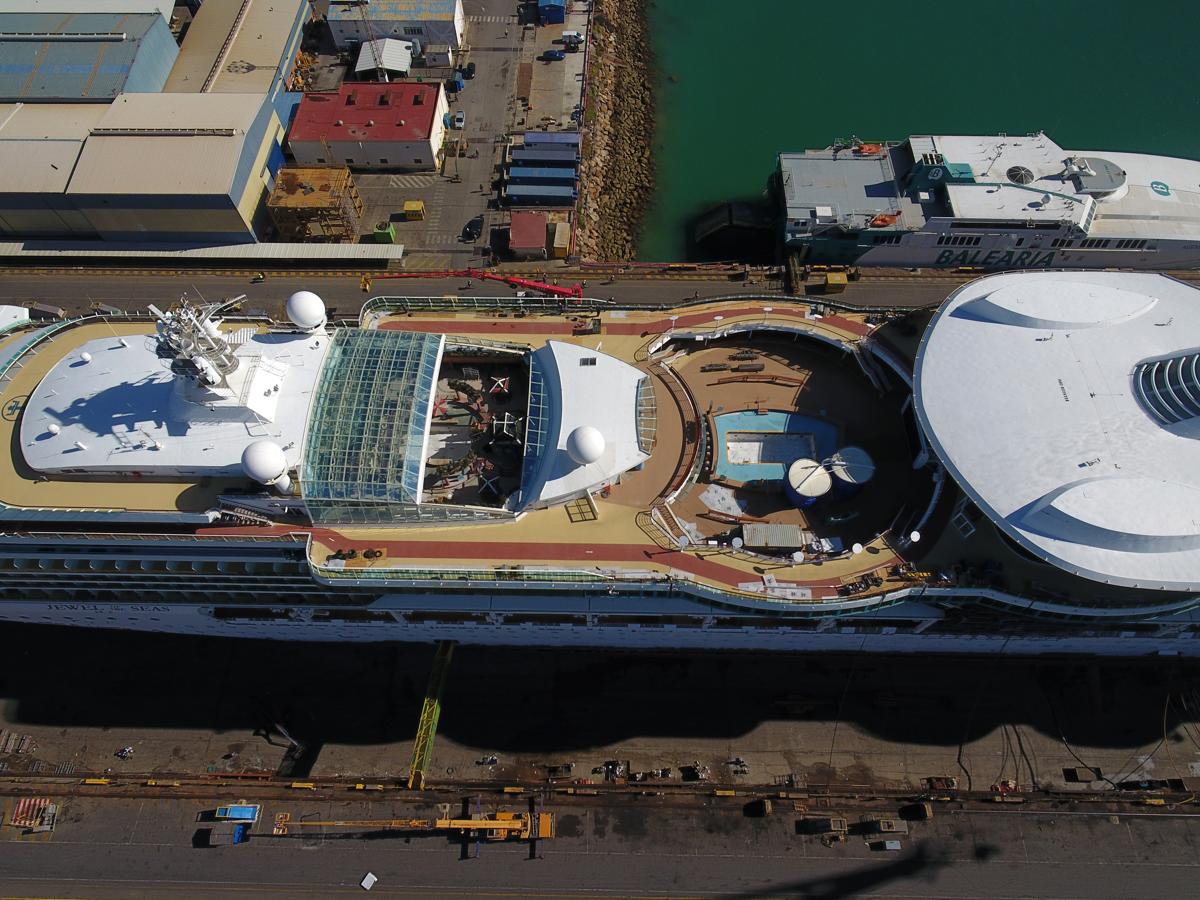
column 539, row 175
column 545, row 157
column 552, row 137
column 541, row 194
column 552, row 12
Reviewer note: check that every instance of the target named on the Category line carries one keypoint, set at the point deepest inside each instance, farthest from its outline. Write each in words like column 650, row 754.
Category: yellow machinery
column 499, row 826
column 431, row 711
column 414, row 210
column 835, row 282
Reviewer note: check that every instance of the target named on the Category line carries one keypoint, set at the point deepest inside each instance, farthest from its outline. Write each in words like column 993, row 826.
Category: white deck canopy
column 584, row 428
column 1067, row 407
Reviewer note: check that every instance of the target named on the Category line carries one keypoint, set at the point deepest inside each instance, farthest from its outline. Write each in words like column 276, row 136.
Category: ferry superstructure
column 729, row 474
column 990, row 202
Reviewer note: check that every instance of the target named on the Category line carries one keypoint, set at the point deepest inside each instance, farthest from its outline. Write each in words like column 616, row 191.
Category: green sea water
column 738, row 82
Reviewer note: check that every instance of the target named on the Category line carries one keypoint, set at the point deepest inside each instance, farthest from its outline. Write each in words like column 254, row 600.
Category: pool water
column 752, row 446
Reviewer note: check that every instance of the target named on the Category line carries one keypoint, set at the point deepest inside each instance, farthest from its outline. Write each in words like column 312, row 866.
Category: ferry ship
column 1003, row 202
column 1015, row 476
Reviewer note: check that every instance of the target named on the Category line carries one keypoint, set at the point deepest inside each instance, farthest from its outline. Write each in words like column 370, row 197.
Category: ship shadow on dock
column 516, row 701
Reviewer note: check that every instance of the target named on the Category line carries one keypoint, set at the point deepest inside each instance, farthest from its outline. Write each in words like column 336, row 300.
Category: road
column 128, row 291
column 123, row 849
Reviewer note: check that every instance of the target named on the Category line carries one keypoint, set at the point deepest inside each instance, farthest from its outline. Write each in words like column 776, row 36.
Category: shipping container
column 540, row 175
column 540, row 194
column 559, row 156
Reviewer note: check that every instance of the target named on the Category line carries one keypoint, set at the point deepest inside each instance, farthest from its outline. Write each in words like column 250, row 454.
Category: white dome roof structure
column 585, row 444
column 306, row 310
column 264, row 462
column 1071, row 420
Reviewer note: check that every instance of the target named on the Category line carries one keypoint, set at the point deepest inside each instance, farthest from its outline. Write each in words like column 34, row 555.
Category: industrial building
column 315, row 203
column 242, row 47
column 381, row 126
column 386, row 55
column 426, row 21
column 184, row 167
column 527, row 234
column 63, row 53
column 39, row 146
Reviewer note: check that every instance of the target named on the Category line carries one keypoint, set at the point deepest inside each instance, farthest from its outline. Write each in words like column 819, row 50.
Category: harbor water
column 738, row 83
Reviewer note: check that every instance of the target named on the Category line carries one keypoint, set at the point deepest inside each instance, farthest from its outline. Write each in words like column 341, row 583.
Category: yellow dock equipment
column 562, row 239
column 414, row 210
column 499, row 826
column 431, row 711
column 835, row 282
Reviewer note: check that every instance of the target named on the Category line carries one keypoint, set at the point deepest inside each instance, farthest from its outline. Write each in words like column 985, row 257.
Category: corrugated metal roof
column 391, row 54
column 258, row 37
column 428, row 10
column 52, row 121
column 39, row 144
column 72, row 56
column 162, row 7
column 233, row 252
column 773, row 535
column 166, row 144
column 397, row 111
column 527, row 231
column 35, row 167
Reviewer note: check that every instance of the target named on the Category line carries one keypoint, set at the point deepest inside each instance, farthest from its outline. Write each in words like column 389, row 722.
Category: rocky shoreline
column 617, row 172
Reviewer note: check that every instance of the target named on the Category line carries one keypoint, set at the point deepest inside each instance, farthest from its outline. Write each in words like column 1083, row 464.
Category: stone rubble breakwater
column 617, row 172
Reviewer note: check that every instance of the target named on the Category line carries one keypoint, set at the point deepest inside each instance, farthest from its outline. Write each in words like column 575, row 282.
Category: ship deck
column 628, row 530
column 616, row 535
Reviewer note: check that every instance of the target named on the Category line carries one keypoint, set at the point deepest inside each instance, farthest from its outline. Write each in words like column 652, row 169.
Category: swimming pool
column 752, row 446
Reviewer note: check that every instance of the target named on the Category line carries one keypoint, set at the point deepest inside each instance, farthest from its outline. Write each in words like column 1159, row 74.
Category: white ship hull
column 1000, row 251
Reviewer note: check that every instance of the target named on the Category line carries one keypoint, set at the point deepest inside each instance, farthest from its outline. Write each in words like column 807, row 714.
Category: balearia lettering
column 998, row 259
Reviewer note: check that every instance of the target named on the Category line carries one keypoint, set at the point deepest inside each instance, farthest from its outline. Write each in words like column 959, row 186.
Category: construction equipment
column 376, row 52
column 414, row 210
column 431, row 711
column 835, row 283
column 498, row 826
column 575, row 291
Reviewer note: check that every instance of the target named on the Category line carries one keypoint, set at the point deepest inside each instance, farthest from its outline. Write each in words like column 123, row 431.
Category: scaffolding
column 315, row 203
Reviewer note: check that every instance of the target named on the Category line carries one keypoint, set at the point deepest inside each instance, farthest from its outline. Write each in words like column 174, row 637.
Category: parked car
column 460, row 119
column 554, row 55
column 472, row 230
column 469, row 71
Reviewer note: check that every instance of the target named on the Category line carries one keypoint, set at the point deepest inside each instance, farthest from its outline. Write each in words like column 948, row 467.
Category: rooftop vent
column 1020, row 175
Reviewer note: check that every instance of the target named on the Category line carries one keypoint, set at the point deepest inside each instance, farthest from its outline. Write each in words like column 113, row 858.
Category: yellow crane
column 499, row 826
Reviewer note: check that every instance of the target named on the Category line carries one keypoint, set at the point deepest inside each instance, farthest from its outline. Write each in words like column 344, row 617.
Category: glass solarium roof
column 366, row 434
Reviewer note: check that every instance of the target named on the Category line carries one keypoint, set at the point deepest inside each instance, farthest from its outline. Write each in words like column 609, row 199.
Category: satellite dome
column 264, row 462
column 585, row 444
column 306, row 310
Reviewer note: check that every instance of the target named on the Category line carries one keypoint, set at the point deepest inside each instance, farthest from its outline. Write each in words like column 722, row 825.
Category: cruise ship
column 1003, row 202
column 1015, row 474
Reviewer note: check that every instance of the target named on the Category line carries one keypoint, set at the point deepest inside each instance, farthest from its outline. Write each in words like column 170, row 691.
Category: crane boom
column 496, row 826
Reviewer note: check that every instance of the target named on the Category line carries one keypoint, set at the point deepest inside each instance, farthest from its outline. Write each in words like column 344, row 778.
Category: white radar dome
column 306, row 310
column 264, row 462
column 585, row 444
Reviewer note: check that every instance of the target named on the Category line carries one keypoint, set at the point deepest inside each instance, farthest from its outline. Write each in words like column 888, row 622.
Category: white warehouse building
column 425, row 21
